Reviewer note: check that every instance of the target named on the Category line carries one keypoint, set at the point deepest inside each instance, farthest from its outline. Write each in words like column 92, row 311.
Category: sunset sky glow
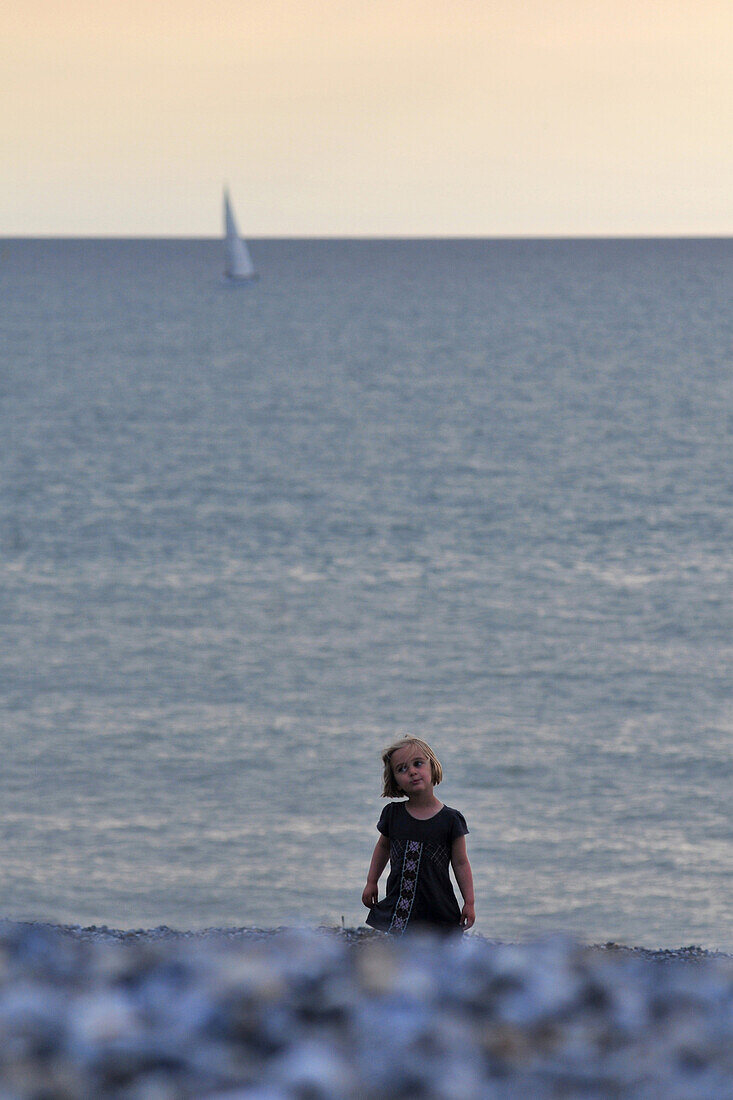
column 379, row 118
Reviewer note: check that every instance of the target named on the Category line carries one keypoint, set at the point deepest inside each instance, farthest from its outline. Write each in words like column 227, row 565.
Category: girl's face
column 411, row 769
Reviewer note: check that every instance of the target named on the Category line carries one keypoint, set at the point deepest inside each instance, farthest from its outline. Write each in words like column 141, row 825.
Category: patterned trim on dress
column 408, row 887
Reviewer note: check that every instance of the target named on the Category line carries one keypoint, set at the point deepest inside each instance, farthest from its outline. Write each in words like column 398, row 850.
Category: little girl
column 421, row 838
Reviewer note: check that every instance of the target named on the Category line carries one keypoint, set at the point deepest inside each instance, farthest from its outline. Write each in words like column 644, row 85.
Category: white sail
column 238, row 260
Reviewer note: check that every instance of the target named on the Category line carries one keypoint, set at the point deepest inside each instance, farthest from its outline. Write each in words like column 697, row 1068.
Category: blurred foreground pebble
column 91, row 1014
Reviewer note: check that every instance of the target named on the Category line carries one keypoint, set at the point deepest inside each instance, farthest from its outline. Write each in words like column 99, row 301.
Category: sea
column 479, row 491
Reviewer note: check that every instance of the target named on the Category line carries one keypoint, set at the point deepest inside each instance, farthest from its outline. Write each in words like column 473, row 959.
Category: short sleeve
column 384, row 820
column 458, row 826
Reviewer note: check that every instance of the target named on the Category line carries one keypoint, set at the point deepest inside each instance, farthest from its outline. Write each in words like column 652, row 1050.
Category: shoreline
column 103, row 933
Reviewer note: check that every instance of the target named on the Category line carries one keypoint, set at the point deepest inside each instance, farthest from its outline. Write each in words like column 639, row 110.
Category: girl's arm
column 379, row 862
column 464, row 878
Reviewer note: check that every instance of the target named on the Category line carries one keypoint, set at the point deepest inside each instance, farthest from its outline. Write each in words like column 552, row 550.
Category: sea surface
column 480, row 491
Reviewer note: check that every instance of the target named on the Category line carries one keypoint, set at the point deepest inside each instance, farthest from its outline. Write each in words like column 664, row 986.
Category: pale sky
column 367, row 117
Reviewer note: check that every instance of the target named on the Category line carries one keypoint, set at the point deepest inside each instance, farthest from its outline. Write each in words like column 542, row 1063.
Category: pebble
column 350, row 1014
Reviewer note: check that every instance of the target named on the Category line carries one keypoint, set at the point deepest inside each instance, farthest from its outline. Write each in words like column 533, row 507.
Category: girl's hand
column 370, row 895
column 468, row 916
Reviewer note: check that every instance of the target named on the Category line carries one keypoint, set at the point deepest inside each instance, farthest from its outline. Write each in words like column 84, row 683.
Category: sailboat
column 239, row 266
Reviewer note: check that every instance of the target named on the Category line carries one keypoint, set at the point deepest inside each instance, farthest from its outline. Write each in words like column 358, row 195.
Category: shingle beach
column 253, row 1014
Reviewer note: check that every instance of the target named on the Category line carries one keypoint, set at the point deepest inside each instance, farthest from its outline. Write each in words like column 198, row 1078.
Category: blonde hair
column 390, row 789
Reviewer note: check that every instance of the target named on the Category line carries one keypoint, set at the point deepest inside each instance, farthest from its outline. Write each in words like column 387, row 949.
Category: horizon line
column 622, row 236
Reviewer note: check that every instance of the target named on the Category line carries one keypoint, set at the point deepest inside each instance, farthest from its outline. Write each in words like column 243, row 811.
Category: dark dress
column 419, row 889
